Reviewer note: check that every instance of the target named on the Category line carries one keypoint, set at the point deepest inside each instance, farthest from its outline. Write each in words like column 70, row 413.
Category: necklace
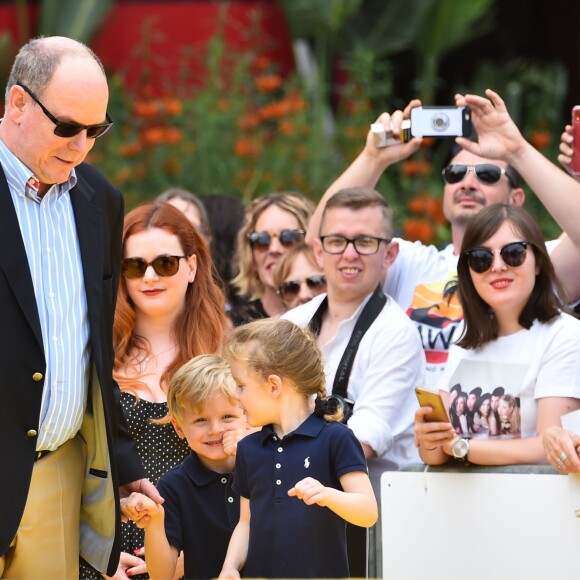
column 147, row 359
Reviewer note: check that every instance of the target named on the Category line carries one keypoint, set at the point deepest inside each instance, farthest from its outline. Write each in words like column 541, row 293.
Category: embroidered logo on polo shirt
column 306, row 462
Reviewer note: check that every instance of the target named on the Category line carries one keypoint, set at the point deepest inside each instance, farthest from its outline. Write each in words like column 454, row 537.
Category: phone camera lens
column 440, row 122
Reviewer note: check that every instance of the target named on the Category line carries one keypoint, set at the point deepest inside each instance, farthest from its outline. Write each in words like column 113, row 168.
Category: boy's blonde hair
column 273, row 346
column 197, row 381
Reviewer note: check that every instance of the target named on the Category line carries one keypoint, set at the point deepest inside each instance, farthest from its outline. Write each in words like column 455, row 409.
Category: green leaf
column 78, row 19
column 312, row 17
column 450, row 23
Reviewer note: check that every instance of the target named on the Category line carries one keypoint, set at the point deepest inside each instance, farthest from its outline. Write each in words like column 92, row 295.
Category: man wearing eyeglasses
column 420, row 278
column 355, row 251
column 64, row 446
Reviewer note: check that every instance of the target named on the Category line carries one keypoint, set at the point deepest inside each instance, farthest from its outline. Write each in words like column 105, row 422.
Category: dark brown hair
column 547, row 299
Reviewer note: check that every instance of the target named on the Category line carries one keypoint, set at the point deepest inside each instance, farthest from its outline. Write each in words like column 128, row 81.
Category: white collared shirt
column 50, row 239
column 388, row 365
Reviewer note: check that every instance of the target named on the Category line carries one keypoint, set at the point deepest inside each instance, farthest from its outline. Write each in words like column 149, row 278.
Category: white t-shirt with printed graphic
column 530, row 364
column 417, row 281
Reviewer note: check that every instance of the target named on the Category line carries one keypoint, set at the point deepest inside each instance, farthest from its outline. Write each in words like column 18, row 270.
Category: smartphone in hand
column 433, row 399
column 441, row 122
column 575, row 165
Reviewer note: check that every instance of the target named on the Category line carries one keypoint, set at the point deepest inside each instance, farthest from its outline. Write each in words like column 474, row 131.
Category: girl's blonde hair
column 247, row 281
column 197, row 381
column 272, row 346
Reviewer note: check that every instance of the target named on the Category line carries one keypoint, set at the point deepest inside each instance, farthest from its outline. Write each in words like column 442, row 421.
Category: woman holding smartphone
column 515, row 334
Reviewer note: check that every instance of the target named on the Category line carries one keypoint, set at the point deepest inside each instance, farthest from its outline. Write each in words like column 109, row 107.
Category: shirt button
column 275, row 438
column 37, row 377
column 230, row 499
column 278, row 465
column 32, row 433
column 278, row 482
column 224, row 480
column 51, row 294
column 280, row 449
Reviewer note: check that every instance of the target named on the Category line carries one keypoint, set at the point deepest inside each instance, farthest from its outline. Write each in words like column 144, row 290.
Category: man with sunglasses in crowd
column 420, row 278
column 64, row 446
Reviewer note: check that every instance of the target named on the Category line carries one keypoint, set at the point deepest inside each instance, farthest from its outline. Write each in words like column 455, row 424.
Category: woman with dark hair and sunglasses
column 169, row 310
column 298, row 276
column 515, row 334
column 273, row 224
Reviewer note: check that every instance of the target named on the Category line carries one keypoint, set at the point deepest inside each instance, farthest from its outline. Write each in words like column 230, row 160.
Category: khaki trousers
column 47, row 541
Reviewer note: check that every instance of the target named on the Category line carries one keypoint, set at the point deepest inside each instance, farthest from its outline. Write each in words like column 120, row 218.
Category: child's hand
column 230, row 441
column 310, row 491
column 139, row 508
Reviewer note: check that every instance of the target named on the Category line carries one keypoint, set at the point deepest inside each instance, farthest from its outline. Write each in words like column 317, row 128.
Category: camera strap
column 370, row 311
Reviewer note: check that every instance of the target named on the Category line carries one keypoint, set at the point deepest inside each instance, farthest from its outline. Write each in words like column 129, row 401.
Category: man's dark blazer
column 98, row 209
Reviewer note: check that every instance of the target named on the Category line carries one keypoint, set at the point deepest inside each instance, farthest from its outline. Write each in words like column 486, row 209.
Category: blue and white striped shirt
column 52, row 248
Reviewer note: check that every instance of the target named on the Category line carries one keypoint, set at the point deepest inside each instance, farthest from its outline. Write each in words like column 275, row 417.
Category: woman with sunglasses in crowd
column 272, row 226
column 169, row 310
column 298, row 276
column 515, row 334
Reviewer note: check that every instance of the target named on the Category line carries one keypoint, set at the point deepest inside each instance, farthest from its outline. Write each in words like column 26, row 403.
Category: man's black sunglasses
column 64, row 129
column 488, row 173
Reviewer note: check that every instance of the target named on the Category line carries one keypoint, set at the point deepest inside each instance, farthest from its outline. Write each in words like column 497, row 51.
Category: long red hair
column 200, row 327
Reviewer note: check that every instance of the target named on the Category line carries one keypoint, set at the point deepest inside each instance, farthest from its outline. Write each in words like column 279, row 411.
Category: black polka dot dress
column 160, row 449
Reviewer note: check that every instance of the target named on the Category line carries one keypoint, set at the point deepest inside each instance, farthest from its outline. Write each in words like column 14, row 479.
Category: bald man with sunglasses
column 64, row 445
column 478, row 174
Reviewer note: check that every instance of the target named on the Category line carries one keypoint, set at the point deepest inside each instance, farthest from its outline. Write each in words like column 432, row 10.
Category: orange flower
column 146, row 109
column 173, row 106
column 418, row 204
column 153, row 135
column 540, row 139
column 246, row 148
column 428, row 142
column 261, row 63
column 286, row 127
column 249, row 122
column 268, row 83
column 172, row 135
column 418, row 230
column 130, row 149
column 416, row 167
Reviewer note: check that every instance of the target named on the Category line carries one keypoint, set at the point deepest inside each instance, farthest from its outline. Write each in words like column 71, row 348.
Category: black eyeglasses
column 364, row 245
column 289, row 290
column 163, row 265
column 485, row 172
column 480, row 260
column 287, row 238
column 66, row 130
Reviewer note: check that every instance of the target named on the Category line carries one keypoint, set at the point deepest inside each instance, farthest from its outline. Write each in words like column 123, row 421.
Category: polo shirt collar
column 199, row 473
column 311, row 427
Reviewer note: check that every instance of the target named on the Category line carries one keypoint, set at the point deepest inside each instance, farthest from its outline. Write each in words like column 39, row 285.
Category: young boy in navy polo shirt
column 200, row 509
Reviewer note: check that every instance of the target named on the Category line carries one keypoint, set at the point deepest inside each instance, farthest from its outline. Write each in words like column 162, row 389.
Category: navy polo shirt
column 201, row 512
column 289, row 539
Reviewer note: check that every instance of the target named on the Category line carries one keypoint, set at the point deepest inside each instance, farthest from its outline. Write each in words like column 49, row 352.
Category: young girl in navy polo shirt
column 304, row 475
column 200, row 509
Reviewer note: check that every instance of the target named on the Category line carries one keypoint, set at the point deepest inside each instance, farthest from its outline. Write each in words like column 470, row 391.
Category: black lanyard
column 371, row 310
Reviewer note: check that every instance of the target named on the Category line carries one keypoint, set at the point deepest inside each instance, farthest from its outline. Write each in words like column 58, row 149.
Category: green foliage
column 76, row 19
